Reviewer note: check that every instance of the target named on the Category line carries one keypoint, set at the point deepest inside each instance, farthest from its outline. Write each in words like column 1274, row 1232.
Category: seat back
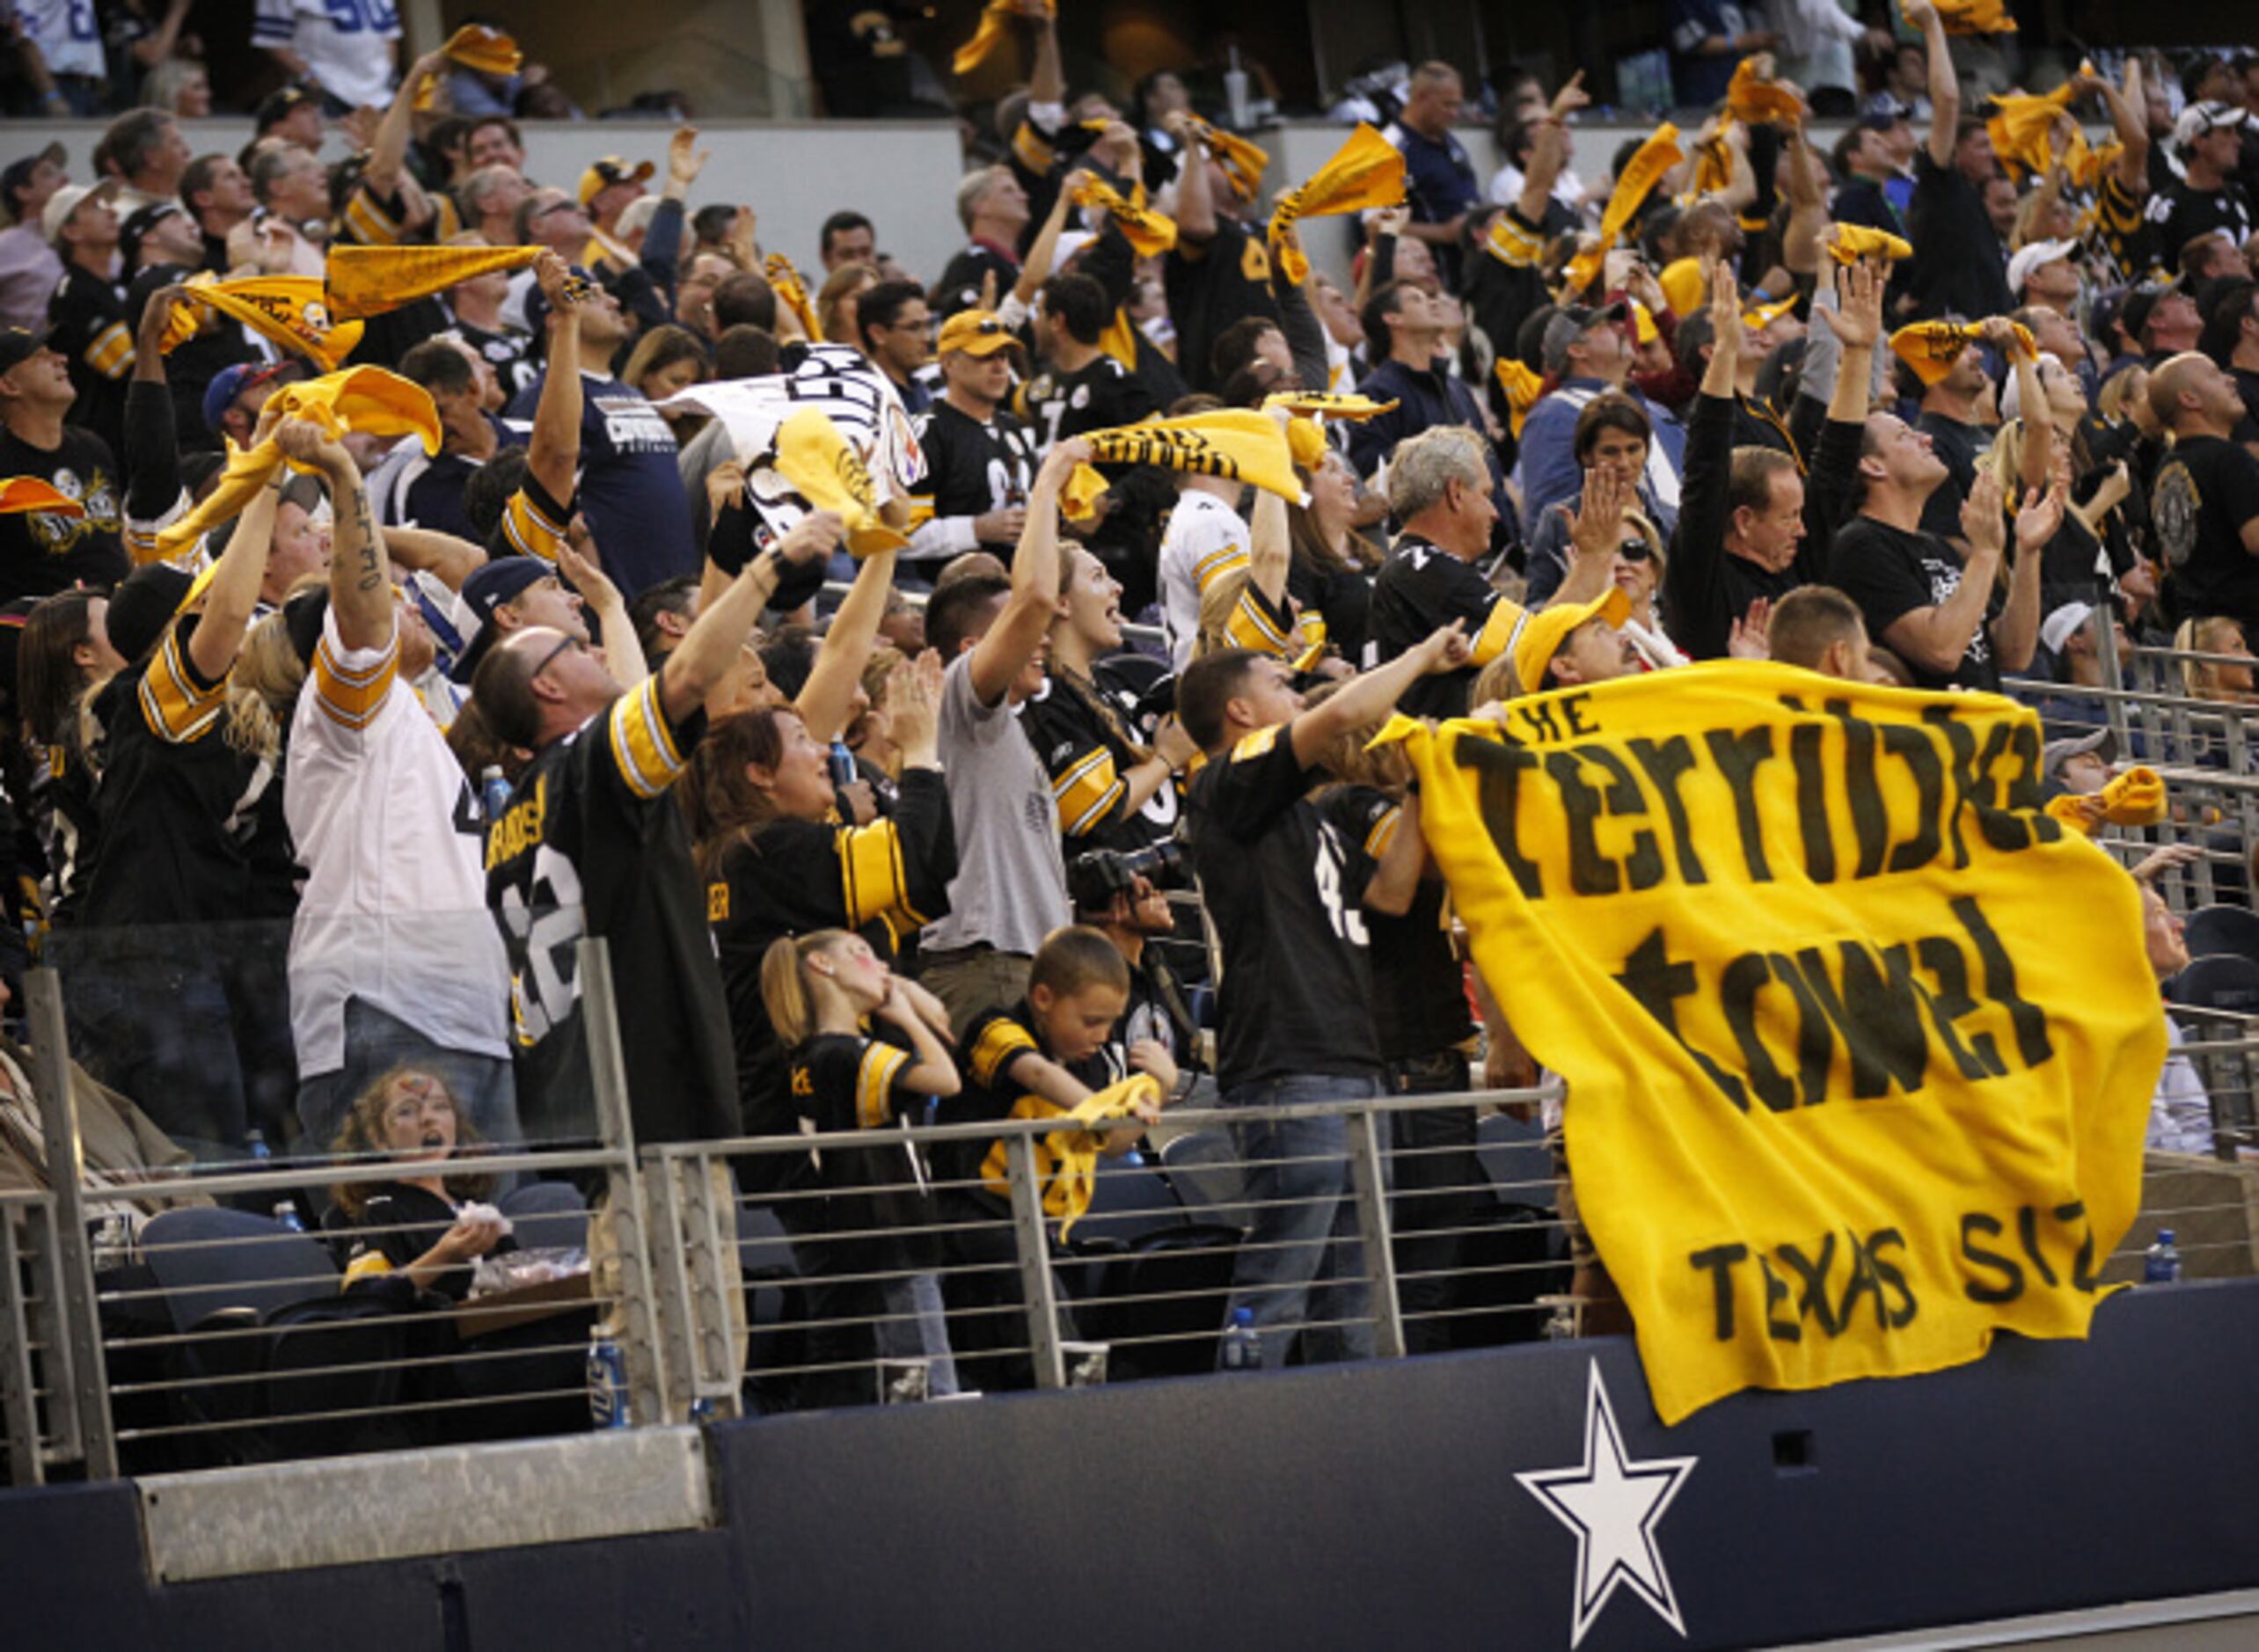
column 1202, row 1167
column 1164, row 1301
column 1129, row 1199
column 2223, row 932
column 210, row 1258
column 547, row 1215
column 2223, row 981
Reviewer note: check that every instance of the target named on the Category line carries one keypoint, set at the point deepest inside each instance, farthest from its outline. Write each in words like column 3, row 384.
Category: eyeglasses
column 550, row 659
column 1635, row 550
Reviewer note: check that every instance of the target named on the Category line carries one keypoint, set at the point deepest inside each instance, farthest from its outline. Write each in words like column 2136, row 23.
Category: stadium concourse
column 614, row 825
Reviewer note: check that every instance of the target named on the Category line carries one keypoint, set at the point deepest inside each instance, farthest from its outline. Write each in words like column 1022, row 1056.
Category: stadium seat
column 210, row 1259
column 1203, row 1167
column 2219, row 930
column 2220, row 983
column 1164, row 1302
column 1130, row 1199
column 547, row 1215
column 1514, row 1154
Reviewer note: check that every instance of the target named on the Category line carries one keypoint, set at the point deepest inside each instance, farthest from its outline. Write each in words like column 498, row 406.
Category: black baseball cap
column 500, row 580
column 143, row 604
column 276, row 107
column 139, row 223
column 18, row 175
column 19, row 344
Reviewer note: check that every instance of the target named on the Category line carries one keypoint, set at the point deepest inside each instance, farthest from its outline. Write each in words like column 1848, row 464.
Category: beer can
column 607, row 1381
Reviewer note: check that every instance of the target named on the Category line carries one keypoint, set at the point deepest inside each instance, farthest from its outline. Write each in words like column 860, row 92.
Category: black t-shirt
column 841, row 1081
column 593, row 843
column 40, row 553
column 1282, row 876
column 882, row 881
column 1891, row 574
column 2206, row 490
column 1959, row 265
column 1210, row 287
column 1421, row 588
column 1342, row 597
column 2181, row 212
column 88, row 315
column 1099, row 396
column 1959, row 446
column 972, row 468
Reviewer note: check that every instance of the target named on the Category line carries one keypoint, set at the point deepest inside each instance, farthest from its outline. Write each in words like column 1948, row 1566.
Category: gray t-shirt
column 1011, row 888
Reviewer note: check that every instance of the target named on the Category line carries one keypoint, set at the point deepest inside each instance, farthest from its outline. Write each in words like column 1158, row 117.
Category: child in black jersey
column 821, row 990
column 1021, row 1063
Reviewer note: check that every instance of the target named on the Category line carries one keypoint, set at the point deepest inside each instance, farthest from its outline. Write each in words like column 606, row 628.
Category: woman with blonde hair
column 2206, row 680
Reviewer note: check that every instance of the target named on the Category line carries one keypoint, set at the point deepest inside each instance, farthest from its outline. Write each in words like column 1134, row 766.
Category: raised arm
column 1944, row 85
column 1046, row 79
column 1001, row 654
column 1395, row 878
column 1936, row 637
column 1195, row 208
column 2035, row 457
column 233, row 594
column 2016, row 634
column 2127, row 118
column 553, row 455
column 845, row 650
column 711, row 645
column 1037, row 268
column 1858, row 325
column 389, row 147
column 360, row 576
column 1370, row 696
column 1803, row 183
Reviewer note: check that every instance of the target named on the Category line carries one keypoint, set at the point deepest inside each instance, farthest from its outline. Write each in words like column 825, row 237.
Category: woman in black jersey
column 64, row 657
column 777, row 862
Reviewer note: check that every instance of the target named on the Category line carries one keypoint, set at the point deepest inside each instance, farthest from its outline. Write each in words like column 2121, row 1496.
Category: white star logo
column 1613, row 1506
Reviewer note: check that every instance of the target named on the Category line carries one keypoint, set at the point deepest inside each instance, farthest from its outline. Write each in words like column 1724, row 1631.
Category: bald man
column 2205, row 503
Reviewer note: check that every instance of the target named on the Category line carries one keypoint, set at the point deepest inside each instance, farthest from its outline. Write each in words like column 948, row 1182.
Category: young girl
column 821, row 989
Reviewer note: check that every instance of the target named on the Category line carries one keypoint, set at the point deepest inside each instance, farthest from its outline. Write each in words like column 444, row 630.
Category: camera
column 1095, row 879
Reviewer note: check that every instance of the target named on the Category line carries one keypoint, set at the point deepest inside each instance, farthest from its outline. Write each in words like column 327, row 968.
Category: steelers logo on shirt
column 2174, row 509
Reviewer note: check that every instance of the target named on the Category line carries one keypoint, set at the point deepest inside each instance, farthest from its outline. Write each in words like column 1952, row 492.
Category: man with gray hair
column 1439, row 490
column 993, row 206
column 490, row 196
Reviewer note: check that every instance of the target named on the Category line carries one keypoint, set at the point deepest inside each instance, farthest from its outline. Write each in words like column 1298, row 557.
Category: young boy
column 1016, row 1064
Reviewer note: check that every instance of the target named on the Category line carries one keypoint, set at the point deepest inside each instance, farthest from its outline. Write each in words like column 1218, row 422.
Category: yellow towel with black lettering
column 1237, row 442
column 1859, row 1042
column 1853, row 242
column 1243, row 163
column 1654, row 156
column 2022, row 130
column 817, row 458
column 1149, row 232
column 293, row 310
column 1366, row 172
column 1754, row 97
column 1932, row 347
column 364, row 398
column 368, row 281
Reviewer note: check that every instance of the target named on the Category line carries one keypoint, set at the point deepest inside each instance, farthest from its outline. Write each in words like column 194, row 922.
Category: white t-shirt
column 388, row 826
column 1206, row 540
column 344, row 43
column 2180, row 1115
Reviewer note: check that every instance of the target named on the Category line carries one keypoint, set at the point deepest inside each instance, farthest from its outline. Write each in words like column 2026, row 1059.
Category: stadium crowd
column 317, row 778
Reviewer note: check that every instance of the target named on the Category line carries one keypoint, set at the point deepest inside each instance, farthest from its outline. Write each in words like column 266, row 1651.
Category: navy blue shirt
column 631, row 489
column 1438, row 178
column 1701, row 79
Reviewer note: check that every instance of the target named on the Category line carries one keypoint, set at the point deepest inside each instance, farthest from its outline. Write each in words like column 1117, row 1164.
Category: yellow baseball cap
column 974, row 332
column 608, row 170
column 1539, row 635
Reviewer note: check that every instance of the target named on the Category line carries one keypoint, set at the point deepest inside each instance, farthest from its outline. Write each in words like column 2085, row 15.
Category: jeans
column 484, row 1088
column 1301, row 1268
column 1440, row 1191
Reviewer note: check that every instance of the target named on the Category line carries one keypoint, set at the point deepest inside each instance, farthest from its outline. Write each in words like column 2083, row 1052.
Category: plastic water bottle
column 841, row 762
column 255, row 1145
column 607, row 1381
column 493, row 791
column 2163, row 1265
column 1243, row 1348
column 287, row 1214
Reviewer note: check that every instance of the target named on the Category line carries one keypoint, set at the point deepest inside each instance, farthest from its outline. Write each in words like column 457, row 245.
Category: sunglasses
column 1635, row 550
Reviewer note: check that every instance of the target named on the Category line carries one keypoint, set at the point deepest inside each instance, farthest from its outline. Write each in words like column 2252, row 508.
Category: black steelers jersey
column 1086, row 746
column 591, row 844
column 1101, row 395
column 1282, row 876
column 972, row 468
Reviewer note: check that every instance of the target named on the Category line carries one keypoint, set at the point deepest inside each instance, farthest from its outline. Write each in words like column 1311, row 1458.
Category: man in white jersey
column 1206, row 539
column 394, row 959
column 344, row 47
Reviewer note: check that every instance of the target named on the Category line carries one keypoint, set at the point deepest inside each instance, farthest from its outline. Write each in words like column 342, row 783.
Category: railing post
column 1033, row 1245
column 695, row 1281
column 1369, row 1178
column 19, row 1407
column 81, row 1389
column 641, row 1346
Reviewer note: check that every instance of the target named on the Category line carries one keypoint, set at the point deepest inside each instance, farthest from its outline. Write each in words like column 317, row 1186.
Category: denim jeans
column 484, row 1087
column 1301, row 1268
